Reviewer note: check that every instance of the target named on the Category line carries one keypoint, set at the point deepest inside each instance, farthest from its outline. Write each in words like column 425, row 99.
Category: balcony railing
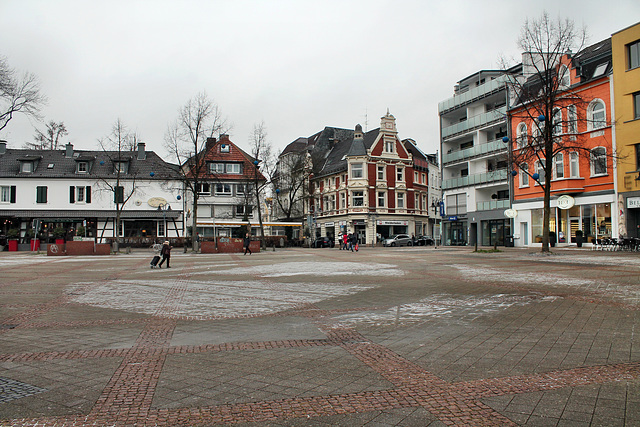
column 476, row 121
column 473, row 94
column 478, row 150
column 481, row 178
column 492, row 204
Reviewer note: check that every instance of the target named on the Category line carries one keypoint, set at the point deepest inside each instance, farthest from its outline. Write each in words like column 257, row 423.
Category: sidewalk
column 382, row 337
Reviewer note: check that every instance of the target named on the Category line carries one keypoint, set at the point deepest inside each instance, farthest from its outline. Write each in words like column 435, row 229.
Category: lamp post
column 435, row 204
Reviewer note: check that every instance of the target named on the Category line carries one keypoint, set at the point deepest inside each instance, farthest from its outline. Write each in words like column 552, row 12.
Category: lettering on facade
column 633, row 203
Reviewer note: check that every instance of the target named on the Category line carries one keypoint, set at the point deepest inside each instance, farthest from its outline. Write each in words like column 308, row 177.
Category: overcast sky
column 296, row 65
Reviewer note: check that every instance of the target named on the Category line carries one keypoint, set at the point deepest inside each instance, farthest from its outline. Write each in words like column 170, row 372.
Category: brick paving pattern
column 384, row 337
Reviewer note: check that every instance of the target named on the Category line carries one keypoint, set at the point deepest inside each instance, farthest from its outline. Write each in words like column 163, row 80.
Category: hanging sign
column 566, row 202
column 511, row 213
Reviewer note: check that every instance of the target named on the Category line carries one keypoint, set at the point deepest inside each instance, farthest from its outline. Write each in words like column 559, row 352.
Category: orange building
column 583, row 176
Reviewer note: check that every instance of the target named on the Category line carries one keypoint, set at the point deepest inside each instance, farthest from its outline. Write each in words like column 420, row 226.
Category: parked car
column 424, row 241
column 398, row 240
column 324, row 242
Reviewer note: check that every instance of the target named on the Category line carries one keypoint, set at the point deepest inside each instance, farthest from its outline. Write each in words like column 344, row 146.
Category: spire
column 357, row 145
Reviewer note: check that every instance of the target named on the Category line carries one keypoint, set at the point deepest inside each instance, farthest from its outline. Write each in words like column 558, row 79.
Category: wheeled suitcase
column 154, row 261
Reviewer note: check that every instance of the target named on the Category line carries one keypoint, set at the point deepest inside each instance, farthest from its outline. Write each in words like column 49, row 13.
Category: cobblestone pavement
column 319, row 337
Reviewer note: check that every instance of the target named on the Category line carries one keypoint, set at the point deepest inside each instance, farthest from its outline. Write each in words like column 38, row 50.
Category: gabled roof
column 335, row 159
column 235, row 154
column 55, row 164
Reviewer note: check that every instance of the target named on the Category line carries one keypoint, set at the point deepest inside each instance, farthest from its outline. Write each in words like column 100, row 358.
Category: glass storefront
column 495, row 231
column 593, row 220
column 455, row 233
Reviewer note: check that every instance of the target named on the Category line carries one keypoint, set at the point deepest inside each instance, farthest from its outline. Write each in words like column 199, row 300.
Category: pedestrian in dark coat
column 247, row 242
column 166, row 254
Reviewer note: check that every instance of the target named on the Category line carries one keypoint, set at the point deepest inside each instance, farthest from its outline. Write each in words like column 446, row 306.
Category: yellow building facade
column 626, row 117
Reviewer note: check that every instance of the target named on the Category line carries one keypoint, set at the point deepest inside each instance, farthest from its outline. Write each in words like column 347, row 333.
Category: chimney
column 142, row 155
column 69, row 150
column 210, row 143
column 3, row 146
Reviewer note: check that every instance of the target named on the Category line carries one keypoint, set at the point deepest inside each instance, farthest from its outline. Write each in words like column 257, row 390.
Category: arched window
column 564, row 78
column 521, row 135
column 596, row 115
column 599, row 161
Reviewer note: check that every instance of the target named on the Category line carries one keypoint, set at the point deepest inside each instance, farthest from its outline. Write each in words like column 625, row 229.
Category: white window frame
column 574, row 164
column 82, row 167
column 389, row 146
column 596, row 107
column 557, row 122
column 343, row 200
column 564, row 76
column 558, row 166
column 5, row 194
column 233, row 168
column 572, row 120
column 216, row 167
column 382, row 199
column 357, row 170
column 221, row 189
column 381, row 172
column 399, row 173
column 540, row 165
column 81, row 196
column 400, row 200
column 595, row 159
column 521, row 135
column 26, row 167
column 201, row 188
column 161, row 230
column 524, row 176
column 355, row 196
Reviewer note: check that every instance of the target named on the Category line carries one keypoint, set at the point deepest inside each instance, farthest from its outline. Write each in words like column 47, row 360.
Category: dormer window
column 120, row 167
column 82, row 167
column 26, row 167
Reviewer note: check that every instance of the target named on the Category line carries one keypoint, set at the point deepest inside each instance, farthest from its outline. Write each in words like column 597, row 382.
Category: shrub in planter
column 13, row 233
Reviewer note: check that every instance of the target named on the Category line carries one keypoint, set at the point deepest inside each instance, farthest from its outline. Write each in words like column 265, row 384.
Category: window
column 633, row 54
column 574, row 165
column 356, row 170
column 242, row 189
column 120, row 167
column 357, row 198
column 82, row 167
column 400, row 174
column 204, row 188
column 224, row 148
column 332, row 202
column 599, row 161
column 381, row 199
column 521, row 135
column 600, row 69
column 637, row 147
column 636, row 105
column 557, row 122
column 343, row 200
column 41, row 194
column 416, row 175
column 388, row 146
column 564, row 77
column 558, row 170
column 381, row 173
column 400, row 203
column 540, row 165
column 572, row 120
column 424, row 178
column 241, row 210
column 160, row 228
column 223, row 189
column 26, row 167
column 77, row 194
column 118, row 194
column 596, row 116
column 8, row 194
column 216, row 167
column 524, row 177
column 233, row 168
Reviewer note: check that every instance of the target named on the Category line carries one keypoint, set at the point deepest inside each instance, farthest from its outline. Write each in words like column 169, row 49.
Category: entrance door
column 574, row 224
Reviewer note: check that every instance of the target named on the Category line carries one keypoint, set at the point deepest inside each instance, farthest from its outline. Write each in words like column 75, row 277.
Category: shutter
column 72, row 194
column 13, row 194
column 87, row 194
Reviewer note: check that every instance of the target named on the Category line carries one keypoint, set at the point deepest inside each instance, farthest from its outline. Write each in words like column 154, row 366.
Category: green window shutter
column 119, row 195
column 13, row 194
column 72, row 194
column 87, row 194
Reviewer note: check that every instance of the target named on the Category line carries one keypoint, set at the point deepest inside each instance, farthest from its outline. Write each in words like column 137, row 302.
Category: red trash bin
column 35, row 244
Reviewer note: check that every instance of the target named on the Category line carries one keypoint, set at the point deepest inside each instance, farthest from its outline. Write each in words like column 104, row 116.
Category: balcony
column 491, row 205
column 481, row 178
column 492, row 86
column 475, row 122
column 489, row 147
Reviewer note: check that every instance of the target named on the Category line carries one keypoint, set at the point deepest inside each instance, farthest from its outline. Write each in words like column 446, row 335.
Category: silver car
column 398, row 240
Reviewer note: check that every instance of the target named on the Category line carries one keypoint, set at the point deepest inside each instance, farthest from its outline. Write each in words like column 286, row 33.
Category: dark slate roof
column 296, row 146
column 334, row 160
column 54, row 164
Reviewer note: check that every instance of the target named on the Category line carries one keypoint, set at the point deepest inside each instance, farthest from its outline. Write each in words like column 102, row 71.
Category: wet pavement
column 322, row 337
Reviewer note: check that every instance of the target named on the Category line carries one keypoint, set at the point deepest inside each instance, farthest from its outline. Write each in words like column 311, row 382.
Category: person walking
column 166, row 254
column 247, row 242
column 345, row 239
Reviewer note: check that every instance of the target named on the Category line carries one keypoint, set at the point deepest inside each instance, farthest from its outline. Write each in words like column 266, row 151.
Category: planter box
column 55, row 250
column 228, row 245
column 13, row 245
column 103, row 249
column 79, row 248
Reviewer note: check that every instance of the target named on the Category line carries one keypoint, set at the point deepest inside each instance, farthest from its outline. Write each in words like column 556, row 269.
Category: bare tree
column 18, row 94
column 543, row 98
column 261, row 151
column 116, row 148
column 290, row 182
column 186, row 140
column 49, row 139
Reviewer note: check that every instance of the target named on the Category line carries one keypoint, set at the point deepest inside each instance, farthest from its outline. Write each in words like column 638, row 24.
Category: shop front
column 330, row 230
column 387, row 228
column 632, row 213
column 454, row 231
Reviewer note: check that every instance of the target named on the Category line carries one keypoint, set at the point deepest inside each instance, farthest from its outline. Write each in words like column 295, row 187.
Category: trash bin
column 509, row 242
column 35, row 244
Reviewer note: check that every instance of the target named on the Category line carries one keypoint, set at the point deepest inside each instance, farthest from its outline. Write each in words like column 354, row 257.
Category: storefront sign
column 633, row 202
column 154, row 202
column 381, row 222
column 329, row 224
column 358, row 222
column 511, row 213
column 566, row 202
column 453, row 218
